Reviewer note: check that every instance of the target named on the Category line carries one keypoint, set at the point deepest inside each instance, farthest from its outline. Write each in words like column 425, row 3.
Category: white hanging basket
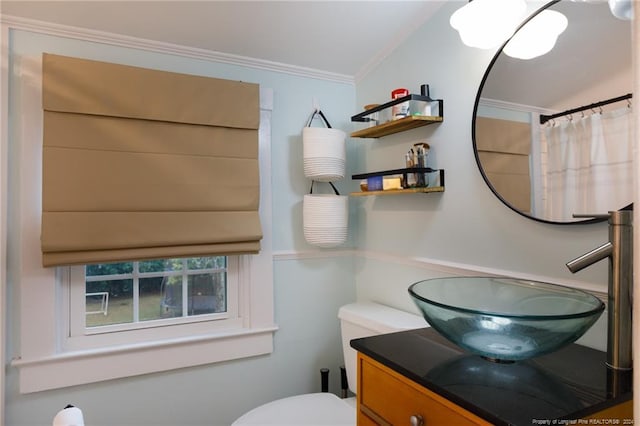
column 324, row 153
column 325, row 219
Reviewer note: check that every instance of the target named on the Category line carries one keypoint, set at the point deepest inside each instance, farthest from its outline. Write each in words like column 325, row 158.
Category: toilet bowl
column 309, row 409
column 356, row 320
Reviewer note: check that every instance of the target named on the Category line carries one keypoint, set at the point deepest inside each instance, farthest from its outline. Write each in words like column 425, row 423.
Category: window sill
column 89, row 366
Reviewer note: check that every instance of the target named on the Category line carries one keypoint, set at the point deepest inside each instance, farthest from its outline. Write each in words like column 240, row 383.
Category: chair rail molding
column 437, row 266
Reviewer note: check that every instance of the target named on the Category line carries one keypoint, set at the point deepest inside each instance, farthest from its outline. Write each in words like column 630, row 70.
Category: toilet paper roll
column 69, row 416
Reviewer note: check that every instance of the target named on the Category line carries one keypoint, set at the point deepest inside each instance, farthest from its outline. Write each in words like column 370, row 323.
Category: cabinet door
column 621, row 414
column 387, row 398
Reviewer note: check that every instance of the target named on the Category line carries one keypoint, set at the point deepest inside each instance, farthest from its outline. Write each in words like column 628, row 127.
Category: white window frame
column 77, row 337
column 44, row 355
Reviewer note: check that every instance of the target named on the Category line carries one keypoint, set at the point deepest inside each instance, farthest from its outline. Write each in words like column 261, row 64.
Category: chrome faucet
column 619, row 250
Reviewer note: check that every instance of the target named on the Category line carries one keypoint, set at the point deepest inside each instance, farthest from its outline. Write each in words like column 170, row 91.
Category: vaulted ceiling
column 342, row 37
column 346, row 38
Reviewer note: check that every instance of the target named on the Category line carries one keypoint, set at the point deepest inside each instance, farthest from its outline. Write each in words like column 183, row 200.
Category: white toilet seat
column 317, row 409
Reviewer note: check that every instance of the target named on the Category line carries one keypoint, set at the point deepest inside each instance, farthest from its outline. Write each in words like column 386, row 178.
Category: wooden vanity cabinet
column 388, row 398
column 621, row 414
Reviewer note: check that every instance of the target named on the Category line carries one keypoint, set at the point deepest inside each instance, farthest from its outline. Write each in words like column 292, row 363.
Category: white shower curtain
column 589, row 164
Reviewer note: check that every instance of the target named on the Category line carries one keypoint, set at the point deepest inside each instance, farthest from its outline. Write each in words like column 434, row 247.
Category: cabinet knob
column 416, row 420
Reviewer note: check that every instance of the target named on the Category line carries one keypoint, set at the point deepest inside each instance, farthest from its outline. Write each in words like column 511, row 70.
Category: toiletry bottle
column 400, row 110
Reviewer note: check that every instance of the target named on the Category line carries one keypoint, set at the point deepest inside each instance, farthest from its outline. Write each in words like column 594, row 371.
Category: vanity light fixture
column 622, row 9
column 486, row 24
column 538, row 36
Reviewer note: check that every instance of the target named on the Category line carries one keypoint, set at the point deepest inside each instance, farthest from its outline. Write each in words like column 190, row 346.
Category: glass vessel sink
column 505, row 319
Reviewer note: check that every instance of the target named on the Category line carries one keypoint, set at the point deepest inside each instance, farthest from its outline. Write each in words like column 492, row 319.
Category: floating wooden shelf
column 396, row 126
column 400, row 191
column 421, row 110
column 404, row 172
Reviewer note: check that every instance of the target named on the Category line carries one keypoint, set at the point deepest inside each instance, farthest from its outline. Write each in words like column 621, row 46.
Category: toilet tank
column 368, row 319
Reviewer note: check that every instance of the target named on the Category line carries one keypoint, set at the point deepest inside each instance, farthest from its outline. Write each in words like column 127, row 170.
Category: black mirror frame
column 473, row 134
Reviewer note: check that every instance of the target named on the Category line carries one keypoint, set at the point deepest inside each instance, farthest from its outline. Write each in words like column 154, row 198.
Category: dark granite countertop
column 565, row 385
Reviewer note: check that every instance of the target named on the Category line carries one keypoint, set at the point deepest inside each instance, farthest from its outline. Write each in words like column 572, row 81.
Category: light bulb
column 538, row 36
column 486, row 24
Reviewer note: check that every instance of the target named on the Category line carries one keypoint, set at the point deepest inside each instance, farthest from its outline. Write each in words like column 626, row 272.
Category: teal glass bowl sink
column 506, row 319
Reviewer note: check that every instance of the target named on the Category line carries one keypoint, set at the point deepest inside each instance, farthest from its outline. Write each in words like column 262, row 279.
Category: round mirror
column 552, row 135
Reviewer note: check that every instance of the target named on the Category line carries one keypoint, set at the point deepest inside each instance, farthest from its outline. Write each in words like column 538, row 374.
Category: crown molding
column 495, row 103
column 85, row 34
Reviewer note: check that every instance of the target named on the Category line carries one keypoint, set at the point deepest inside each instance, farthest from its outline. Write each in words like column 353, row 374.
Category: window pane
column 161, row 265
column 207, row 293
column 217, row 262
column 151, row 298
column 171, row 297
column 109, row 269
column 109, row 302
column 160, row 295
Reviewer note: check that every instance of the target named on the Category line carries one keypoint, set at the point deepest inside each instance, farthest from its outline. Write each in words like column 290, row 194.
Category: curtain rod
column 544, row 118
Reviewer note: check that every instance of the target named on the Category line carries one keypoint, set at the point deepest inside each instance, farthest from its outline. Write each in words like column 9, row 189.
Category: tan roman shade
column 503, row 148
column 144, row 164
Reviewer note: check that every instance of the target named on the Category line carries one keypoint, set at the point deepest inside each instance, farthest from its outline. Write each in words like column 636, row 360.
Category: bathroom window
column 150, row 301
column 110, row 297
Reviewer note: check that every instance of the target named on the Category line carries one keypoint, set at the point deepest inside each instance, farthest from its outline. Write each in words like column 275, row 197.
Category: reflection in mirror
column 574, row 163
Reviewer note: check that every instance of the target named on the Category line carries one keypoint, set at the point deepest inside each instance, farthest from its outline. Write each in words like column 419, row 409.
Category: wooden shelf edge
column 396, row 172
column 400, row 191
column 396, row 126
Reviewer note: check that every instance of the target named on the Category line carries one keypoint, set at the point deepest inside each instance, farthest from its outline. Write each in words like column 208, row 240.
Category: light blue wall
column 466, row 224
column 307, row 295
